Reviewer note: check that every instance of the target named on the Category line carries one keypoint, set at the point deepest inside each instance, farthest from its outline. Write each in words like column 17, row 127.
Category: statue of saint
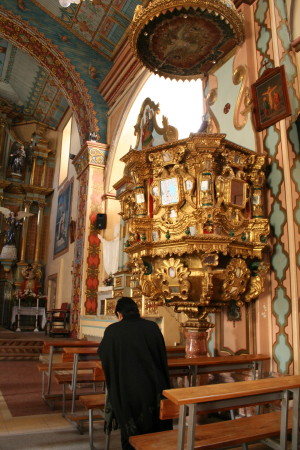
column 147, row 129
column 19, row 154
column 31, row 274
column 17, row 158
column 10, row 233
column 13, row 221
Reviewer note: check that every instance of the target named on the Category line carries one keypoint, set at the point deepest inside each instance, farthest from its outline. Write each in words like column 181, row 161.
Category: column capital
column 91, row 154
column 28, row 202
column 41, row 205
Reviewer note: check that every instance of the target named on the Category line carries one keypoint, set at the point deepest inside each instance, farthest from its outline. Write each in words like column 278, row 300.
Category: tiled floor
column 46, row 422
column 53, row 432
column 48, row 431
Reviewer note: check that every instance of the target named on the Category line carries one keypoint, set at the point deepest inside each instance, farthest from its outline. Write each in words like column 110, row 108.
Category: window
column 65, row 151
column 180, row 101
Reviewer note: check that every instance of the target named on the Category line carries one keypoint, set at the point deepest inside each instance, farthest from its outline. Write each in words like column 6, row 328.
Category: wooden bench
column 51, row 347
column 57, row 367
column 221, row 435
column 174, row 351
column 65, row 379
column 191, row 367
column 81, row 353
column 94, row 402
column 168, row 410
column 233, row 432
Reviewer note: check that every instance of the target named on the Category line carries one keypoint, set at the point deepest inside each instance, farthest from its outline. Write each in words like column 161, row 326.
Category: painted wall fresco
column 281, row 142
column 100, row 23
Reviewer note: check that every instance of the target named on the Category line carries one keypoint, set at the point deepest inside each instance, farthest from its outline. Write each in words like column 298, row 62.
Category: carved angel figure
column 13, row 221
column 256, row 283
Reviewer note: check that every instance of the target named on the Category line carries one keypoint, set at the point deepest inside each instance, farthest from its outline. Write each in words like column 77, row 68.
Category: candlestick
column 37, row 316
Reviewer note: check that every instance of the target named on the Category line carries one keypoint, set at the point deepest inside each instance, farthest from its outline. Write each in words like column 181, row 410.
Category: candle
column 19, row 302
column 37, row 303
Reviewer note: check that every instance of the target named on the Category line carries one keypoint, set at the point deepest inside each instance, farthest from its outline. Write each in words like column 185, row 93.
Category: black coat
column 134, row 361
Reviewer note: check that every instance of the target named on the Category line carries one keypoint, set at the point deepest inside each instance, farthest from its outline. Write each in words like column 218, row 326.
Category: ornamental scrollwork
column 173, row 277
column 236, row 279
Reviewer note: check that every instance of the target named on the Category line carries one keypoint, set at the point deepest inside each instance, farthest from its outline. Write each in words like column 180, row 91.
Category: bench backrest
column 168, row 409
column 216, row 392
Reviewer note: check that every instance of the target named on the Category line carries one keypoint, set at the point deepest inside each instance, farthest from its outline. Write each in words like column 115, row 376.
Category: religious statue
column 10, row 233
column 13, row 221
column 19, row 154
column 29, row 294
column 147, row 129
column 31, row 274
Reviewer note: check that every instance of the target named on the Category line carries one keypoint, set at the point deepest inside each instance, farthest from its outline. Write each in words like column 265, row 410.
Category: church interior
column 150, row 149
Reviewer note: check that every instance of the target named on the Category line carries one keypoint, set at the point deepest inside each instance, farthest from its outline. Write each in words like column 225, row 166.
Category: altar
column 19, row 311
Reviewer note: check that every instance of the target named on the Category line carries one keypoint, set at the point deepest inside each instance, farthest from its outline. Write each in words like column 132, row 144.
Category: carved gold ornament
column 236, row 280
column 194, row 215
column 184, row 39
column 173, row 277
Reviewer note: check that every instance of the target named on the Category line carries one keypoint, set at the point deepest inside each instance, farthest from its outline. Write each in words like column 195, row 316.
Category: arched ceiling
column 88, row 35
column 99, row 23
column 34, row 93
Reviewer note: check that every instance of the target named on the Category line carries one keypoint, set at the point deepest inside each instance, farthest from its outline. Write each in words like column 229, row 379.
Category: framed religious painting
column 62, row 229
column 270, row 98
column 169, row 191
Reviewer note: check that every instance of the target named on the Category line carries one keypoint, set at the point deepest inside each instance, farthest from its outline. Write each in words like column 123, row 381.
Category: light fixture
column 67, row 3
column 185, row 39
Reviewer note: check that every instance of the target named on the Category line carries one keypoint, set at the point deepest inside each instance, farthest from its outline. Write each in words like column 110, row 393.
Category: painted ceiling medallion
column 185, row 39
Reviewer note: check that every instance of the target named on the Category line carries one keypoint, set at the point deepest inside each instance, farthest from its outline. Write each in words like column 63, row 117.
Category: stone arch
column 33, row 42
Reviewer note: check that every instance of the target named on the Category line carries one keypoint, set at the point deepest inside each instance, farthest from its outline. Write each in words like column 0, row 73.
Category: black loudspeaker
column 101, row 221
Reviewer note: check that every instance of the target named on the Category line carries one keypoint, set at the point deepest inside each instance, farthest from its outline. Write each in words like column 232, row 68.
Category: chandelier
column 185, row 39
column 67, row 3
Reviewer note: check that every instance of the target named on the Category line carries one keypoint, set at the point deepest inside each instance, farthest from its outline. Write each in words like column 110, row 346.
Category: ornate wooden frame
column 270, row 98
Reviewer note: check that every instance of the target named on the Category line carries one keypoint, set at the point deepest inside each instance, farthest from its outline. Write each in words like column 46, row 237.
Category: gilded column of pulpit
column 197, row 232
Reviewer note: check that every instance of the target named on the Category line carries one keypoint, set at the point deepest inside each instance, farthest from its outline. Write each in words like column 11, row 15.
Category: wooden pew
column 234, row 432
column 59, row 344
column 191, row 367
column 53, row 346
column 169, row 410
column 92, row 403
column 66, row 379
column 175, row 351
column 87, row 353
column 57, row 368
column 229, row 433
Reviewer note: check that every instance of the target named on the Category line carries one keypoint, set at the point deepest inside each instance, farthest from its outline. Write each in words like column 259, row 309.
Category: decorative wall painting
column 62, row 228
